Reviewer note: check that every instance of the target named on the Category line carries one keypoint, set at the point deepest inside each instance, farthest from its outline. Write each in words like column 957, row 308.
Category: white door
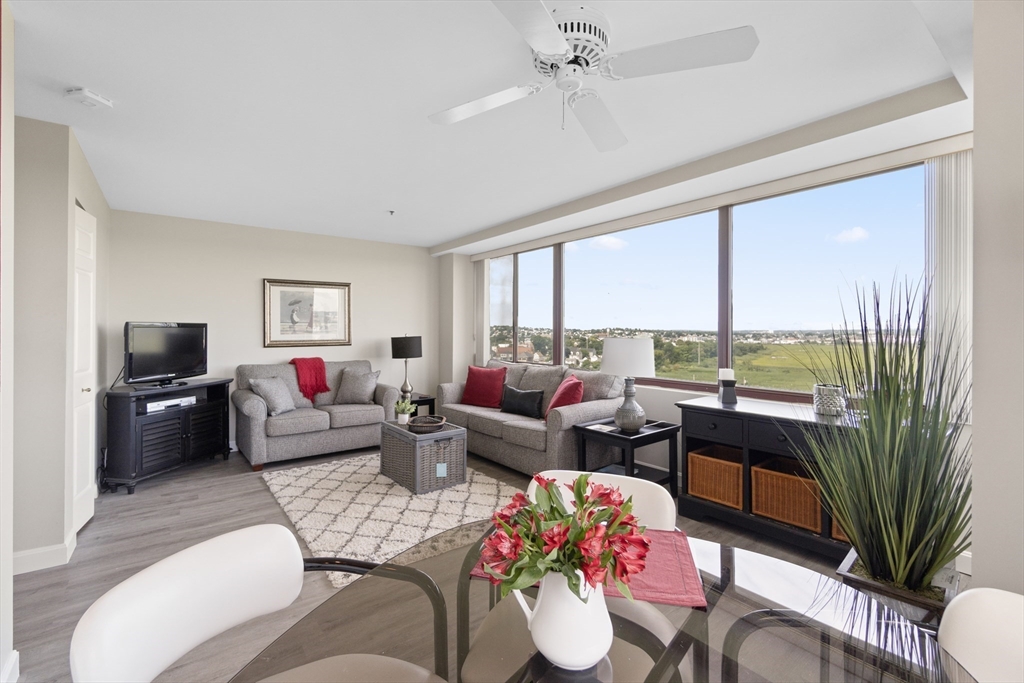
column 83, row 385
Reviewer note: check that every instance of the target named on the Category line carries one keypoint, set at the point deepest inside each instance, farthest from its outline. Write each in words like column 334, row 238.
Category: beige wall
column 8, row 656
column 183, row 270
column 456, row 315
column 998, row 453
column 40, row 333
column 52, row 174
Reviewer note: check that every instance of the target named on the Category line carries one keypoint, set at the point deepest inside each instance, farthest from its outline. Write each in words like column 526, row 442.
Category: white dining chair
column 503, row 642
column 652, row 503
column 983, row 629
column 147, row 622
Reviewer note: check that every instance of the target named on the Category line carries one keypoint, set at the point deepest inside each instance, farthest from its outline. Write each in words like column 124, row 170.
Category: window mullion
column 515, row 308
column 725, row 287
column 558, row 307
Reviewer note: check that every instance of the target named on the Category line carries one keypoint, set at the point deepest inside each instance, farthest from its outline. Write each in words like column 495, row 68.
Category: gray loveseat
column 528, row 444
column 314, row 427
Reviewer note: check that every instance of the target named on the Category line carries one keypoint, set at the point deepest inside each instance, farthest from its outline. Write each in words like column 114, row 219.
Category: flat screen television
column 163, row 352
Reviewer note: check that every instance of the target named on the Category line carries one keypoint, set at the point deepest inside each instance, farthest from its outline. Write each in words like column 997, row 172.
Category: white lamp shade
column 632, row 357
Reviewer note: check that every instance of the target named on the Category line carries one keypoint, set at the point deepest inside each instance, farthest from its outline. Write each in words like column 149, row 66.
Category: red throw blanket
column 312, row 375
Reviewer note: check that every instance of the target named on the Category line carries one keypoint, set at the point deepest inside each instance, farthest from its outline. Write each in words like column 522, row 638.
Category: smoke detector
column 87, row 97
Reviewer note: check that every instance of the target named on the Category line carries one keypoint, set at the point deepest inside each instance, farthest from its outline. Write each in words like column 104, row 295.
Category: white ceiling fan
column 569, row 45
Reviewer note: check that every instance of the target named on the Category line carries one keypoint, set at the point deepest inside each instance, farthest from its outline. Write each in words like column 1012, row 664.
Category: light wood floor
column 192, row 504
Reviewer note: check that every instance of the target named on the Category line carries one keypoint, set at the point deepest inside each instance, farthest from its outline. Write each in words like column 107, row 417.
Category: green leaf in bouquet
column 623, row 588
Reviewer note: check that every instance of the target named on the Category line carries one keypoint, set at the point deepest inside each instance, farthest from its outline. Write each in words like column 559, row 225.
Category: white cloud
column 857, row 234
column 572, row 246
column 608, row 243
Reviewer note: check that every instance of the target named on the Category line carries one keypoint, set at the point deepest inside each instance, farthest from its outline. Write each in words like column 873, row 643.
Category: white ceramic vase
column 572, row 634
column 403, row 418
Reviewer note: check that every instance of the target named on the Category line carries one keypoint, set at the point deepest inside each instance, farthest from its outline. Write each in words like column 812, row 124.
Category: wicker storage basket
column 423, row 462
column 838, row 533
column 715, row 473
column 780, row 489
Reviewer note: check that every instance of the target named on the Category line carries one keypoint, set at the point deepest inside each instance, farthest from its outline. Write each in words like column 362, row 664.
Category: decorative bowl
column 427, row 424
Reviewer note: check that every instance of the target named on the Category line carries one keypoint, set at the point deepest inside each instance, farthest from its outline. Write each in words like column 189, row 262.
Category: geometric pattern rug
column 347, row 508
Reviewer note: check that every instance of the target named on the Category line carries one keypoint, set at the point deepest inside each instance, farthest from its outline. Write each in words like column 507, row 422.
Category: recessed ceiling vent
column 586, row 30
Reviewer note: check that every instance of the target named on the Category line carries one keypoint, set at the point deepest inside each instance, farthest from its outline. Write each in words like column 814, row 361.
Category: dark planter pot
column 933, row 608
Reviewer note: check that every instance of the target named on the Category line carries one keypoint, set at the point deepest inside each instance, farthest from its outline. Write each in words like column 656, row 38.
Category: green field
column 775, row 366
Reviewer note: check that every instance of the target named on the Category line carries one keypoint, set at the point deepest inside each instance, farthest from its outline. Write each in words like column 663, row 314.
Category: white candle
column 726, row 373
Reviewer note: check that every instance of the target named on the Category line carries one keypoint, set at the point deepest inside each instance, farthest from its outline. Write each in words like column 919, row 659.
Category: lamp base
column 630, row 417
column 406, row 388
column 727, row 391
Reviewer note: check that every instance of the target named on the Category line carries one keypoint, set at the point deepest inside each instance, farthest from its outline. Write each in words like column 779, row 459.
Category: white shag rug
column 347, row 508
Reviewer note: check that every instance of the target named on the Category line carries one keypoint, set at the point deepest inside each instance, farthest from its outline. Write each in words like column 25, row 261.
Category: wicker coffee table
column 423, row 462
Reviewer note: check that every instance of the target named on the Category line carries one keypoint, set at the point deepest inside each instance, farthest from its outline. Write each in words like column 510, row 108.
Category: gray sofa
column 314, row 427
column 527, row 444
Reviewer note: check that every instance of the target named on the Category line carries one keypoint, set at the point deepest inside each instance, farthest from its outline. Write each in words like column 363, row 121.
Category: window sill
column 746, row 392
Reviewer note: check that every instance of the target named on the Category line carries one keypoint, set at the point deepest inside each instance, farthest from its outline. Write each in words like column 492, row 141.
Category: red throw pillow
column 484, row 387
column 568, row 393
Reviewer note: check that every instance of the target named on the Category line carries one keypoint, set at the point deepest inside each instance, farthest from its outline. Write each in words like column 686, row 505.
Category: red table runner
column 670, row 577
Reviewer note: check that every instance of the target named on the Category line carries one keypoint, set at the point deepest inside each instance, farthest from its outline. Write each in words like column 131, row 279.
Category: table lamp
column 406, row 347
column 630, row 358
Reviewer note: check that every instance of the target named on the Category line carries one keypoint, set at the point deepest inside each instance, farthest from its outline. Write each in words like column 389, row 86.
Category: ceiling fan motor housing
column 586, row 30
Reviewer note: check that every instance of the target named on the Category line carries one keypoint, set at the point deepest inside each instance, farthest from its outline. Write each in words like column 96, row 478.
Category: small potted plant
column 572, row 552
column 403, row 409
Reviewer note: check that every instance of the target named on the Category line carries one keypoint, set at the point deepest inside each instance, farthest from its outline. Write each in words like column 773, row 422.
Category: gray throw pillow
column 597, row 385
column 357, row 387
column 275, row 392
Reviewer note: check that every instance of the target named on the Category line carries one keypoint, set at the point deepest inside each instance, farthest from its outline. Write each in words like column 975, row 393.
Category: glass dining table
column 766, row 620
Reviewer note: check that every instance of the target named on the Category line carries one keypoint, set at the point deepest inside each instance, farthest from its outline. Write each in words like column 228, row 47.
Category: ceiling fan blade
column 596, row 120
column 534, row 23
column 464, row 111
column 695, row 52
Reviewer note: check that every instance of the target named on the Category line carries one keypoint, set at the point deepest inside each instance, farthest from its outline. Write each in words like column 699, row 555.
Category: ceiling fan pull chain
column 563, row 110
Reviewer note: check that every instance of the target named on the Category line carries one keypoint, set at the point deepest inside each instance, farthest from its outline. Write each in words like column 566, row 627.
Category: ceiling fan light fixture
column 569, row 78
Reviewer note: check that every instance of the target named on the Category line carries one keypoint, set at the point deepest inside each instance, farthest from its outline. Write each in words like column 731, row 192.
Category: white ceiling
column 312, row 116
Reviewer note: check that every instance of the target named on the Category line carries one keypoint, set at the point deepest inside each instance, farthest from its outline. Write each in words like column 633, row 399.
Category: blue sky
column 795, row 258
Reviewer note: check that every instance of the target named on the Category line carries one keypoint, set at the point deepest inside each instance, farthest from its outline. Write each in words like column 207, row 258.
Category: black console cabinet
column 141, row 443
column 762, row 430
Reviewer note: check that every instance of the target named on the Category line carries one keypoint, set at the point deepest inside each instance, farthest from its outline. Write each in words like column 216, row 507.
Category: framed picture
column 305, row 313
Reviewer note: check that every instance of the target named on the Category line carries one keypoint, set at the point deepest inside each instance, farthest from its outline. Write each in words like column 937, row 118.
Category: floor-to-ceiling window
column 798, row 261
column 535, row 288
column 757, row 287
column 633, row 283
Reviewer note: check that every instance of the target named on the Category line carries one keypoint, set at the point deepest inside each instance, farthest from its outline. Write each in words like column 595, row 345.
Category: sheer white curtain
column 949, row 244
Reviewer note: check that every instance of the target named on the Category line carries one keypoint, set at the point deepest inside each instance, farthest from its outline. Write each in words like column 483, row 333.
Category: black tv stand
column 143, row 440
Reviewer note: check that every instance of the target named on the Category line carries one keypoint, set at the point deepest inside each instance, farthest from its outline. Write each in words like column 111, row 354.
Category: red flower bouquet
column 598, row 537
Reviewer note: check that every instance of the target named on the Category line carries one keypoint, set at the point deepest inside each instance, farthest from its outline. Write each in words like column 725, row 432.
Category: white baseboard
column 232, row 445
column 963, row 562
column 43, row 558
column 12, row 669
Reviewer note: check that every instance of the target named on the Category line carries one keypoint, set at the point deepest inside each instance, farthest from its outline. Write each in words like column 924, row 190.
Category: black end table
column 605, row 431
column 422, row 400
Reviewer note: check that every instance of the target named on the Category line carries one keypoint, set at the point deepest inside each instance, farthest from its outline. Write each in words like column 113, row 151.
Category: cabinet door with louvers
column 206, row 431
column 158, row 441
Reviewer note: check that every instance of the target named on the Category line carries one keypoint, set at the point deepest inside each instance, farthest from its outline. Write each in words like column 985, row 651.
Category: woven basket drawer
column 838, row 533
column 780, row 490
column 412, row 460
column 715, row 473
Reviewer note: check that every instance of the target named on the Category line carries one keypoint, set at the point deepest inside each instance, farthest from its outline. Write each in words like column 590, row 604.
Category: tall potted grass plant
column 896, row 477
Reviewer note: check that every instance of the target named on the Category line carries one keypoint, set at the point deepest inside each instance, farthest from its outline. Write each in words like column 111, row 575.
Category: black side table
column 654, row 431
column 422, row 400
